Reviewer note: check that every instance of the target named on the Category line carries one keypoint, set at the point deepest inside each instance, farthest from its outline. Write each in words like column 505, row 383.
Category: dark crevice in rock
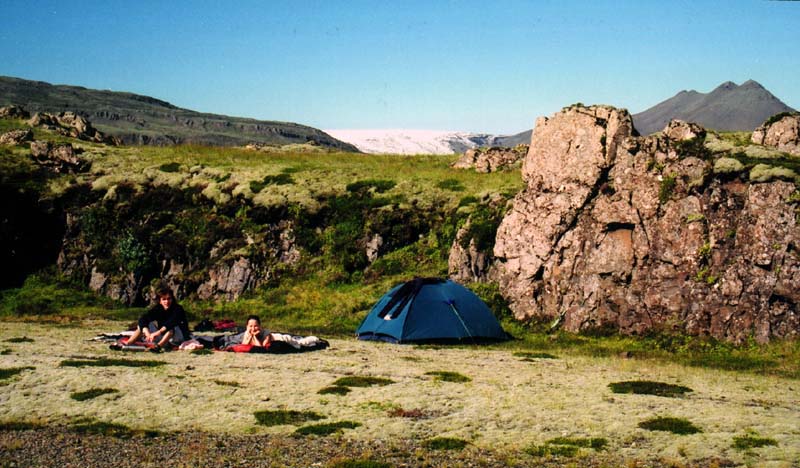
column 778, row 298
column 616, row 226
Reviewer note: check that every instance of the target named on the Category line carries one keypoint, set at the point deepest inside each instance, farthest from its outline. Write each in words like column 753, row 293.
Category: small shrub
column 284, row 417
column 648, row 387
column 693, row 147
column 327, row 428
column 92, row 393
column 445, row 443
column 453, row 185
column 106, row 362
column 778, row 117
column 228, row 384
column 334, row 390
column 170, row 167
column 360, row 381
column 360, row 464
column 19, row 426
column 695, row 217
column 23, row 339
column 666, row 188
column 531, row 356
column 12, row 371
column 447, row 376
column 410, row 414
column 674, row 425
column 747, row 442
column 704, row 251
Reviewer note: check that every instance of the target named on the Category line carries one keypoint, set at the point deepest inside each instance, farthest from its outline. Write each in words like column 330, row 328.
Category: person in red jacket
column 163, row 323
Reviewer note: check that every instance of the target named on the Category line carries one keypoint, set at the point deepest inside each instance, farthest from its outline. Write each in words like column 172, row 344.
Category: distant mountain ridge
column 137, row 119
column 729, row 107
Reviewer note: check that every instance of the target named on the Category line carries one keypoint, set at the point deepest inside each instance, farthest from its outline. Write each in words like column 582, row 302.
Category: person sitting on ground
column 163, row 323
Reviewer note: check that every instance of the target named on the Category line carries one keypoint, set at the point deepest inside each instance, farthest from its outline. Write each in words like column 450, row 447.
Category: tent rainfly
column 430, row 310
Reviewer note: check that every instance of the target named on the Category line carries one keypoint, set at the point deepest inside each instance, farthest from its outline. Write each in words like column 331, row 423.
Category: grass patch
column 362, row 381
column 12, row 371
column 447, row 376
column 445, row 443
column 46, row 294
column 23, row 339
column 202, row 352
column 92, row 393
column 596, row 443
column 334, row 390
column 5, row 352
column 326, row 428
column 566, row 446
column 666, row 187
column 284, row 417
column 278, row 179
column 679, row 426
column 110, row 429
column 107, row 362
column 552, row 450
column 747, row 442
column 19, row 426
column 170, row 167
column 378, row 185
column 532, row 356
column 454, row 185
column 648, row 387
column 360, row 464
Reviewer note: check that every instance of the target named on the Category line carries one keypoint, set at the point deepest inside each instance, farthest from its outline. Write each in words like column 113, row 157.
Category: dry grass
column 509, row 404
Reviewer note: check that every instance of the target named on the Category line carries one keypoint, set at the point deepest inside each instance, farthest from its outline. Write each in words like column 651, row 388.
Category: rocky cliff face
column 638, row 234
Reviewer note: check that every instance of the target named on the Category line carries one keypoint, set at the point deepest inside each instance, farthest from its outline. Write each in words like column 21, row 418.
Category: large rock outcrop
column 72, row 125
column 636, row 235
column 781, row 133
column 491, row 159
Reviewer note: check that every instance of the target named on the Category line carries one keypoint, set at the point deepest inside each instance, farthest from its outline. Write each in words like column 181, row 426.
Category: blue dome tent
column 430, row 310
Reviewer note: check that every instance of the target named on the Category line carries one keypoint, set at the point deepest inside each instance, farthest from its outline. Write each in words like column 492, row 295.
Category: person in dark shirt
column 163, row 323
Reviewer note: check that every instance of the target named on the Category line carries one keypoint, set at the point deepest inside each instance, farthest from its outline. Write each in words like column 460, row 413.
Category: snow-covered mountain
column 417, row 141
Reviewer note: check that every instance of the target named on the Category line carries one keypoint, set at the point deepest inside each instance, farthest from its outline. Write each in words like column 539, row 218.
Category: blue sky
column 441, row 65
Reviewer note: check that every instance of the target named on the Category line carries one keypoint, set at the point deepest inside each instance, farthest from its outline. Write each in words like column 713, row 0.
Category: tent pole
column 455, row 311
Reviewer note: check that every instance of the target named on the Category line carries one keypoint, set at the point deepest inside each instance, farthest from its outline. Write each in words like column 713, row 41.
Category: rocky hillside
column 136, row 120
column 727, row 108
column 680, row 231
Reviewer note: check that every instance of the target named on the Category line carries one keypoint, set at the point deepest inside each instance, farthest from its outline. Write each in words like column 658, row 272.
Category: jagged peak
column 726, row 86
column 751, row 84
